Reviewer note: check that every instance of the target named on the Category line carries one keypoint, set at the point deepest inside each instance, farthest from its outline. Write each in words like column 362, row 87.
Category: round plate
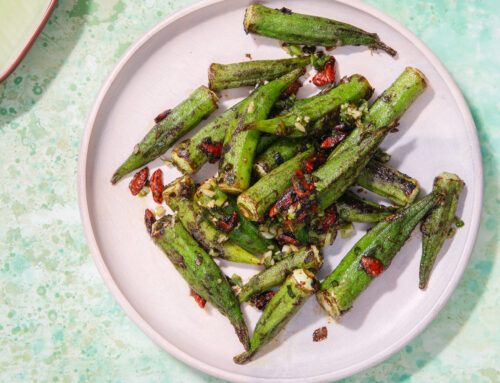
column 161, row 69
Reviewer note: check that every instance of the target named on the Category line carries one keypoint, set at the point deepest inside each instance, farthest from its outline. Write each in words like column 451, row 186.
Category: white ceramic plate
column 160, row 70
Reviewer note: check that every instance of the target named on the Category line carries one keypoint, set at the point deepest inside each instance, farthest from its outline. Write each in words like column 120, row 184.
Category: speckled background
column 59, row 323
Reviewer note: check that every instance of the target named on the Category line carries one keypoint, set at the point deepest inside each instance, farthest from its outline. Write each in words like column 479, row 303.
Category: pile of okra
column 287, row 168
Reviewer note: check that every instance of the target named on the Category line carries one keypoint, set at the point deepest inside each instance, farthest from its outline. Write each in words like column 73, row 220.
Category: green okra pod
column 437, row 225
column 199, row 271
column 258, row 199
column 381, row 156
column 296, row 28
column 220, row 206
column 288, row 300
column 165, row 133
column 238, row 151
column 389, row 183
column 352, row 208
column 300, row 120
column 265, row 141
column 250, row 73
column 178, row 195
column 371, row 255
column 306, row 258
column 351, row 156
column 280, row 151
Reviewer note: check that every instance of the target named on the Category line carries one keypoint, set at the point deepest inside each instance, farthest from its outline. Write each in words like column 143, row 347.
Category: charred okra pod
column 381, row 156
column 223, row 212
column 256, row 201
column 389, row 183
column 200, row 271
column 287, row 301
column 265, row 141
column 300, row 120
column 238, row 151
column 250, row 73
column 296, row 28
column 370, row 256
column 281, row 151
column 178, row 195
column 352, row 208
column 163, row 135
column 351, row 156
column 437, row 225
column 306, row 258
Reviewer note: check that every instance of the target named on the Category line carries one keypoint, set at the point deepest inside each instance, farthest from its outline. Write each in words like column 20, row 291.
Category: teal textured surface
column 58, row 321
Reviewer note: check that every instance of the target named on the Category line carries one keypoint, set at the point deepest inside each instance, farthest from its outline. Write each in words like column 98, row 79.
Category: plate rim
column 37, row 29
column 221, row 373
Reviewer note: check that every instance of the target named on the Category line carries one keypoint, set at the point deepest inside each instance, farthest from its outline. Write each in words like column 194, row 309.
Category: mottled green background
column 59, row 323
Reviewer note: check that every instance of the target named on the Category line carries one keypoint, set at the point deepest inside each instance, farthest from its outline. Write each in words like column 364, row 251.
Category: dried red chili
column 162, row 115
column 292, row 89
column 372, row 266
column 301, row 186
column 227, row 223
column 327, row 75
column 284, row 238
column 156, row 183
column 328, row 220
column 320, row 334
column 211, row 149
column 284, row 202
column 149, row 219
column 201, row 302
column 260, row 301
column 314, row 161
column 307, row 207
column 138, row 182
column 331, row 141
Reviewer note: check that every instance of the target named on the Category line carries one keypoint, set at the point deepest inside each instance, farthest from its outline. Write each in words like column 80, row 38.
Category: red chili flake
column 300, row 184
column 328, row 220
column 372, row 266
column 157, row 187
column 284, row 238
column 149, row 219
column 314, row 161
column 138, row 182
column 284, row 202
column 162, row 115
column 320, row 334
column 260, row 301
column 201, row 302
column 327, row 75
column 212, row 149
column 331, row 141
column 227, row 223
column 292, row 89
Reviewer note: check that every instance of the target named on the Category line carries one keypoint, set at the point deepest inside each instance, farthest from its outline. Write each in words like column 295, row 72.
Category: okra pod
column 178, row 195
column 165, row 133
column 291, row 296
column 306, row 258
column 389, row 183
column 265, row 141
column 371, row 255
column 256, row 201
column 281, row 151
column 296, row 28
column 238, row 151
column 381, row 156
column 300, row 120
column 220, row 206
column 250, row 73
column 351, row 156
column 200, row 271
column 352, row 208
column 437, row 225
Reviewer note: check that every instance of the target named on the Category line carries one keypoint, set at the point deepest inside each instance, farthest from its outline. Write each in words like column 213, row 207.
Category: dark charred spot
column 162, row 115
column 291, row 294
column 260, row 301
column 320, row 334
column 199, row 260
column 228, row 167
column 285, row 11
column 278, row 159
column 309, row 49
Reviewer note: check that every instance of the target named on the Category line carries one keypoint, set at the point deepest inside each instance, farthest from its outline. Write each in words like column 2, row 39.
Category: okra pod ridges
column 199, row 271
column 181, row 120
column 437, row 225
column 291, row 296
column 235, row 167
column 178, row 195
column 296, row 28
column 305, row 258
column 371, row 255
